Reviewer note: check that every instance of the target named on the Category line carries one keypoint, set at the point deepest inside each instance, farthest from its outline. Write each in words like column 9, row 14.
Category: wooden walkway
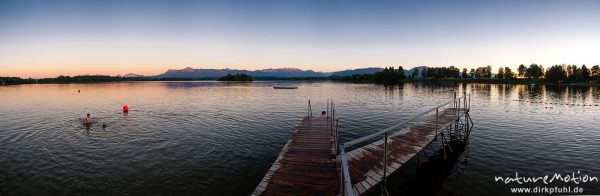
column 306, row 165
column 366, row 163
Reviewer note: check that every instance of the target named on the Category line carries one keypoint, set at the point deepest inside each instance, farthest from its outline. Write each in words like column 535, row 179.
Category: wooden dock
column 310, row 163
column 366, row 163
column 306, row 165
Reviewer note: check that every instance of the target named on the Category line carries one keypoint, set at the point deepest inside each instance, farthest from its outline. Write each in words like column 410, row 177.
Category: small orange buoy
column 125, row 109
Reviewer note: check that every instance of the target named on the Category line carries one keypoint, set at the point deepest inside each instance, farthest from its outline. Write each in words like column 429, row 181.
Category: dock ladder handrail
column 332, row 124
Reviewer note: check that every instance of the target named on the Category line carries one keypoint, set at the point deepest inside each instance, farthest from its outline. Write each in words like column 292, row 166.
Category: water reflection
column 430, row 172
column 215, row 138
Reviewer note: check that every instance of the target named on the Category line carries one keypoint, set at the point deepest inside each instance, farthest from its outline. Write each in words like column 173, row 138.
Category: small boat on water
column 285, row 87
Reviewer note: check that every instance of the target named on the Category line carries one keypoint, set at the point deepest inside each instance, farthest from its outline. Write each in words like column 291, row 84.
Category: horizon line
column 325, row 72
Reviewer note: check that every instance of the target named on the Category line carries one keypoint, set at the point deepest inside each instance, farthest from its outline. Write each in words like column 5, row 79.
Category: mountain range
column 189, row 72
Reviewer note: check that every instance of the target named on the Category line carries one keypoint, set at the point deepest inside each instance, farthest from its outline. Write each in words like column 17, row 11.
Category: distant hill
column 189, row 72
column 420, row 68
column 132, row 75
column 286, row 72
column 216, row 73
column 350, row 72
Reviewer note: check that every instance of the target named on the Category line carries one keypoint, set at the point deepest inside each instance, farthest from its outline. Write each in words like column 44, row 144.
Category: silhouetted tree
column 500, row 73
column 389, row 75
column 508, row 74
column 473, row 73
column 464, row 73
column 571, row 69
column 483, row 72
column 534, row 71
column 585, row 72
column 595, row 72
column 522, row 69
column 556, row 73
column 415, row 73
column 236, row 77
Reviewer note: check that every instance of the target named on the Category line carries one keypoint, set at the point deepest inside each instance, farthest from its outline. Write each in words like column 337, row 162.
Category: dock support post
column 443, row 146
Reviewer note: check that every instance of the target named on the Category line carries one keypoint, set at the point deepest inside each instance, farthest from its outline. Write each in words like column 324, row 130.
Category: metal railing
column 346, row 183
column 333, row 125
column 394, row 127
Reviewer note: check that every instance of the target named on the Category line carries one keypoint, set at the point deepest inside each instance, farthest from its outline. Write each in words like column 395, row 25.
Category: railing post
column 436, row 122
column 458, row 111
column 337, row 139
column 327, row 108
column 383, row 188
column 465, row 102
column 308, row 109
column 454, row 99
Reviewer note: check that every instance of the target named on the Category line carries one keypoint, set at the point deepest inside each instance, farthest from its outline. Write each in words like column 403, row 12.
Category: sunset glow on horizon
column 51, row 38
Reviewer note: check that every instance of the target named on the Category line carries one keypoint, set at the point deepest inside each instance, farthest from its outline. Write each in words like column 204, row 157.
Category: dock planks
column 366, row 163
column 305, row 166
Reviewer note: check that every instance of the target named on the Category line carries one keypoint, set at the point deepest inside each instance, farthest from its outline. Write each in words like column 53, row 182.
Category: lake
column 215, row 138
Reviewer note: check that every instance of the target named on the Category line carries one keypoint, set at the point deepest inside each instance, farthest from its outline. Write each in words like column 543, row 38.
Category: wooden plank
column 305, row 165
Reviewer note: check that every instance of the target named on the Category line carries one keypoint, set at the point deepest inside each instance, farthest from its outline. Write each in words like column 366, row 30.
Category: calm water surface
column 211, row 138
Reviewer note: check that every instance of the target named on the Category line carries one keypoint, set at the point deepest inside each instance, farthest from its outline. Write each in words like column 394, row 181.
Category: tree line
column 62, row 79
column 86, row 79
column 533, row 72
column 236, row 77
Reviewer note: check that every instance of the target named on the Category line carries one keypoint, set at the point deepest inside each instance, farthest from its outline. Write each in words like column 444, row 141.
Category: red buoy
column 125, row 109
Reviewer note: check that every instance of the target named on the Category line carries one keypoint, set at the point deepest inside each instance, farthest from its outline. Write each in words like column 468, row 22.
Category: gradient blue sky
column 51, row 38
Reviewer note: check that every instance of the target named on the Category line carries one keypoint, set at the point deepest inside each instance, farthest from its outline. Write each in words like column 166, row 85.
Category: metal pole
column 327, row 108
column 383, row 189
column 436, row 121
column 465, row 102
column 454, row 99
column 309, row 109
column 337, row 139
column 458, row 107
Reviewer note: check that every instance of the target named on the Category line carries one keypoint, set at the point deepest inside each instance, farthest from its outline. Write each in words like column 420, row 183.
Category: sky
column 51, row 38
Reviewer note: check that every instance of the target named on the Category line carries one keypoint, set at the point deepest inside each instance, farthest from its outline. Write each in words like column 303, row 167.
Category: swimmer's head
column 88, row 115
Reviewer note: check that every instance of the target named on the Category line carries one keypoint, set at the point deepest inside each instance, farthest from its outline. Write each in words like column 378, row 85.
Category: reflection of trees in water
column 567, row 94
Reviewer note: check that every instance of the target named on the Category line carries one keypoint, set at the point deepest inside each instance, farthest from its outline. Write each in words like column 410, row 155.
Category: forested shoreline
column 556, row 74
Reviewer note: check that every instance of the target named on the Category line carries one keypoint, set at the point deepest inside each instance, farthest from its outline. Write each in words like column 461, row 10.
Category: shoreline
column 8, row 81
